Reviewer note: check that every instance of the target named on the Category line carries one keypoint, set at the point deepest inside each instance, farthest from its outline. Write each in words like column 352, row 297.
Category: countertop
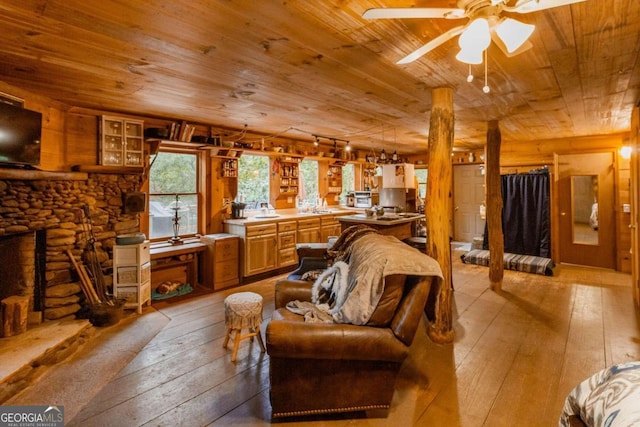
column 290, row 215
column 386, row 220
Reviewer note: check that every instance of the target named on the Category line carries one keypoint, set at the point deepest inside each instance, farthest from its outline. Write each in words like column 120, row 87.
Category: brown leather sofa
column 318, row 368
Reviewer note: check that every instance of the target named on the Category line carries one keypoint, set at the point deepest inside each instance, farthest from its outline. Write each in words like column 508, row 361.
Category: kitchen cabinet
column 121, row 142
column 288, row 171
column 309, row 230
column 329, row 227
column 334, row 179
column 287, row 243
column 132, row 274
column 229, row 168
column 222, row 264
column 260, row 249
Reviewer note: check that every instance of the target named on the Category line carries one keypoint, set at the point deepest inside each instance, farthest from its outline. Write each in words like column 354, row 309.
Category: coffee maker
column 237, row 210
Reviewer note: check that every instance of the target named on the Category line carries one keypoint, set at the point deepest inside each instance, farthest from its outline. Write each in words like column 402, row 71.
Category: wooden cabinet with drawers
column 309, row 230
column 287, row 243
column 222, row 265
column 329, row 227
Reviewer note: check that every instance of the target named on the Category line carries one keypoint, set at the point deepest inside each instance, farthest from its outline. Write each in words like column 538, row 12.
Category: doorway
column 468, row 196
column 585, row 215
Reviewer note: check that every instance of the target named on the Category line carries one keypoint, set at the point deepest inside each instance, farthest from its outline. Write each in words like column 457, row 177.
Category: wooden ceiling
column 299, row 67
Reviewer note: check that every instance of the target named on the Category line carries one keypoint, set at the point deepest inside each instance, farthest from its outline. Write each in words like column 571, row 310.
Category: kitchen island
column 399, row 225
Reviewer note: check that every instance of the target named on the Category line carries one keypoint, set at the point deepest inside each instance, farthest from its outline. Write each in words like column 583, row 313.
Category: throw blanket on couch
column 370, row 259
column 610, row 397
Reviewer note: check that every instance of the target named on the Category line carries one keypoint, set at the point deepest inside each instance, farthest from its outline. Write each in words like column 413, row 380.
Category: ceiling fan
column 485, row 24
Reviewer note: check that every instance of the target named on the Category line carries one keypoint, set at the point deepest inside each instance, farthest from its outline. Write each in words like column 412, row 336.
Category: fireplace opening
column 23, row 267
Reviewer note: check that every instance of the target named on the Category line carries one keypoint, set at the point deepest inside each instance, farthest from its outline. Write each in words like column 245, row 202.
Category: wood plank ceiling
column 302, row 67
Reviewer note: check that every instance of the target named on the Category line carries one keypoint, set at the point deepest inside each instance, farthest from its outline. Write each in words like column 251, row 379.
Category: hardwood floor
column 516, row 355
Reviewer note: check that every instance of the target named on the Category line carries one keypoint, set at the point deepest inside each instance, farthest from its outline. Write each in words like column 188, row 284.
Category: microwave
column 362, row 199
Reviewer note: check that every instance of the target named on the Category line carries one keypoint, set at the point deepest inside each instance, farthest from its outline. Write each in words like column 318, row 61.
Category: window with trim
column 173, row 189
column 421, row 177
column 308, row 178
column 348, row 180
column 253, row 180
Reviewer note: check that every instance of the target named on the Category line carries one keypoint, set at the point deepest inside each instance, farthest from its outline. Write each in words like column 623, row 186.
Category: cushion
column 391, row 296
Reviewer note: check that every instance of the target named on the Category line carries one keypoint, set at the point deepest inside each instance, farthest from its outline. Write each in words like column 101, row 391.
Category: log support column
column 438, row 208
column 494, row 206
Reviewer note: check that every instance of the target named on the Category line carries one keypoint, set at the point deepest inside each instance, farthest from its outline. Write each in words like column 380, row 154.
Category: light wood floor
column 516, row 355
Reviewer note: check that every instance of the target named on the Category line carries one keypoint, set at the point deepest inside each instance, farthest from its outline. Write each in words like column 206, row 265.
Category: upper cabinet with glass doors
column 121, row 142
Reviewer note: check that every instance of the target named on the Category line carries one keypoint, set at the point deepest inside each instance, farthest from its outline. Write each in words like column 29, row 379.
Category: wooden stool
column 242, row 310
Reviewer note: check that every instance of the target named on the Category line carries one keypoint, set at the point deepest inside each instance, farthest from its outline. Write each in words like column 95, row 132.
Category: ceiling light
column 469, row 56
column 347, row 147
column 514, row 33
column 316, row 142
column 477, row 36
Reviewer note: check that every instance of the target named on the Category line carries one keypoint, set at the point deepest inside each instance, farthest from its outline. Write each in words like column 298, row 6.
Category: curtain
column 526, row 214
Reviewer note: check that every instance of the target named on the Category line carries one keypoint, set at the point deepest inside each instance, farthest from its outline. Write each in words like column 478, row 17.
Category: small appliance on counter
column 351, row 199
column 237, row 210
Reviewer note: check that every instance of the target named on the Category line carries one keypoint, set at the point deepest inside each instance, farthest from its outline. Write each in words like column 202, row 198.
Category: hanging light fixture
column 513, row 33
column 316, row 142
column 347, row 147
column 383, row 156
column 473, row 41
column 470, row 75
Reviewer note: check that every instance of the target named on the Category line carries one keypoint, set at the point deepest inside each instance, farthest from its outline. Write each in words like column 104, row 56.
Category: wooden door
column 585, row 194
column 468, row 195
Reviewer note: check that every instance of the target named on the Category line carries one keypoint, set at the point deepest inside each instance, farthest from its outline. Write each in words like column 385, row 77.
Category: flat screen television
column 20, row 132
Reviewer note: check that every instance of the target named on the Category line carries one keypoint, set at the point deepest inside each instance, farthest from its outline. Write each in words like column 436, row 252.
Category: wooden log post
column 494, row 206
column 438, row 209
column 15, row 310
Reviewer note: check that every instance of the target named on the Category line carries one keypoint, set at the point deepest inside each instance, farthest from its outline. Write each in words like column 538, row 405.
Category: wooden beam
column 438, row 208
column 494, row 206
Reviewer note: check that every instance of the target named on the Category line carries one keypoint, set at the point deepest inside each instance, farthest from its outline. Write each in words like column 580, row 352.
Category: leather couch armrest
column 291, row 290
column 300, row 340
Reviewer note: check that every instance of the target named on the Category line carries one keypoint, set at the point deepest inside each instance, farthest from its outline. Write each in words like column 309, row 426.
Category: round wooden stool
column 242, row 310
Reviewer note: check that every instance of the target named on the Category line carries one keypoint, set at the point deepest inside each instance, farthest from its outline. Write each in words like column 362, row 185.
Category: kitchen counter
column 399, row 225
column 289, row 215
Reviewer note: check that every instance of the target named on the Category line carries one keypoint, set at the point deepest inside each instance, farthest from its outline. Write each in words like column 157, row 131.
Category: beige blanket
column 370, row 259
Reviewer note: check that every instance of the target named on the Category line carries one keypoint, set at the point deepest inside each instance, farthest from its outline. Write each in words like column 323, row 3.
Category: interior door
column 585, row 189
column 468, row 194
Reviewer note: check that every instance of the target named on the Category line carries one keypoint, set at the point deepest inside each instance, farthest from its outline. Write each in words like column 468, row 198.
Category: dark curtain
column 526, row 214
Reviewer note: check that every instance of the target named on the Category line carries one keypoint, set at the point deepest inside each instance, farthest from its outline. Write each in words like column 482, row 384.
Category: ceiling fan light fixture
column 476, row 36
column 470, row 56
column 514, row 33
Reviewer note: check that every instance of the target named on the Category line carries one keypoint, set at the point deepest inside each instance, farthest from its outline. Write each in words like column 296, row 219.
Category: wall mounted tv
column 20, row 131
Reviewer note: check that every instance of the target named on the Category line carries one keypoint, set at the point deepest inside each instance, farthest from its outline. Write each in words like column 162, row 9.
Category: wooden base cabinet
column 287, row 243
column 132, row 274
column 259, row 247
column 222, row 264
column 309, row 230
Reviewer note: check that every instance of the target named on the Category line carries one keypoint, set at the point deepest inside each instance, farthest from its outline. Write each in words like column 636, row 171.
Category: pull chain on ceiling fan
column 485, row 25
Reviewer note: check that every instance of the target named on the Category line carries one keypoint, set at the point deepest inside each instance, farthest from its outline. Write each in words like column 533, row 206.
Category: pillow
column 391, row 296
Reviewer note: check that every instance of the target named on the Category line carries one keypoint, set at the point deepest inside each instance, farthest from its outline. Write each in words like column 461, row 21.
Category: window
column 348, row 180
column 173, row 190
column 421, row 177
column 253, row 180
column 309, row 186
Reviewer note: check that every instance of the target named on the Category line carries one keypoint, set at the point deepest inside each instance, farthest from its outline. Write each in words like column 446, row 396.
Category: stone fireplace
column 22, row 268
column 42, row 222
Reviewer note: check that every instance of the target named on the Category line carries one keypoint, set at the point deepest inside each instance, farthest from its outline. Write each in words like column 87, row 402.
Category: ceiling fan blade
column 413, row 12
column 432, row 44
column 528, row 6
column 498, row 41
